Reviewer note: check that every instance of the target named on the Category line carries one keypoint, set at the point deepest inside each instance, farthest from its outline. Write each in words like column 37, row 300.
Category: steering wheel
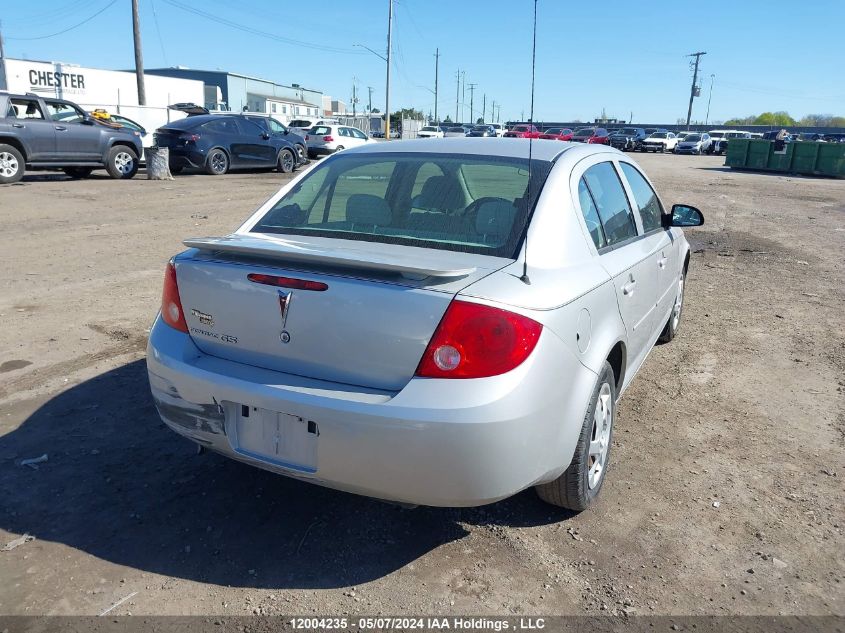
column 471, row 210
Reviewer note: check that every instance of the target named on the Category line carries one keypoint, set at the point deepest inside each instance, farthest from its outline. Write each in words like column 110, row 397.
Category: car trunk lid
column 323, row 308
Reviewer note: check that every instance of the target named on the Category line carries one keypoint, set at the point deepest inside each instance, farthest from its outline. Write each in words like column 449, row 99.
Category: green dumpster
column 800, row 157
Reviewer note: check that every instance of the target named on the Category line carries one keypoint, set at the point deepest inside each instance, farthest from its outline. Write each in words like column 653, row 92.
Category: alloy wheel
column 9, row 165
column 600, row 436
column 124, row 162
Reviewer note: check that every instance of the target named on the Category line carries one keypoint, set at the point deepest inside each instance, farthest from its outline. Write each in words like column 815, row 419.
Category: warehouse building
column 233, row 91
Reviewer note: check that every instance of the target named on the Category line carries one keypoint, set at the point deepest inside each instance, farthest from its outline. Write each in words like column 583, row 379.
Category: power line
column 253, row 31
column 158, row 31
column 70, row 28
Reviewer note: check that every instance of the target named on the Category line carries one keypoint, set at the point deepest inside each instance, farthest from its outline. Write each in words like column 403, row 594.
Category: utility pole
column 354, row 99
column 471, row 103
column 463, row 95
column 436, row 78
column 387, row 83
column 457, row 95
column 707, row 118
column 484, row 109
column 139, row 60
column 370, row 100
column 692, row 91
column 493, row 112
column 3, row 85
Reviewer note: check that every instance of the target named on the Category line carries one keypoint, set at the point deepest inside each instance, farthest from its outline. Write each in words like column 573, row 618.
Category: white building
column 113, row 90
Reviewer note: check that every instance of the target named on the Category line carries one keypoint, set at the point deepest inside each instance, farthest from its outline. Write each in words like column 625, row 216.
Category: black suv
column 218, row 143
column 628, row 138
column 46, row 133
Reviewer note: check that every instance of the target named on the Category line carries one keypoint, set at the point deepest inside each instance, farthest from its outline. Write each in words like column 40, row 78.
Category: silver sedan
column 440, row 324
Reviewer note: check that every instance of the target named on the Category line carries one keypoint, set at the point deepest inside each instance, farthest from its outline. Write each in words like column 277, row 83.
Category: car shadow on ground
column 122, row 487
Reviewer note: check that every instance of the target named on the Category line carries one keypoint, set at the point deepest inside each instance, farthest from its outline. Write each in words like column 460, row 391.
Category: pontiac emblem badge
column 205, row 319
column 285, row 298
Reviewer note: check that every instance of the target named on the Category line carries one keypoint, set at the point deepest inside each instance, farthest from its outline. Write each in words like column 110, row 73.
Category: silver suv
column 45, row 133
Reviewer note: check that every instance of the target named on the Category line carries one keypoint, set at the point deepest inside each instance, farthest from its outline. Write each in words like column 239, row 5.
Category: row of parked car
column 625, row 139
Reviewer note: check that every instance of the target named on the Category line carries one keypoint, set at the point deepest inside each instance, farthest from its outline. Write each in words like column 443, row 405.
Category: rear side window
column 591, row 215
column 644, row 197
column 25, row 109
column 617, row 219
column 320, row 130
column 222, row 125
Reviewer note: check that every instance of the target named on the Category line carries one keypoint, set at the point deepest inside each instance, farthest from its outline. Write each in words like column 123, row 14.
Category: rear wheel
column 11, row 164
column 78, row 172
column 286, row 161
column 301, row 155
column 339, row 148
column 122, row 162
column 581, row 482
column 671, row 327
column 217, row 162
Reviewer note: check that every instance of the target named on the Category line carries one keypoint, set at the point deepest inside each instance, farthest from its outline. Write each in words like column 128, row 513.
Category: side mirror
column 265, row 136
column 87, row 120
column 683, row 215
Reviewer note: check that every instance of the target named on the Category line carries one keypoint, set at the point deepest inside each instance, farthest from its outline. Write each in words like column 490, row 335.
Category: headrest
column 363, row 208
column 289, row 215
column 495, row 219
column 441, row 193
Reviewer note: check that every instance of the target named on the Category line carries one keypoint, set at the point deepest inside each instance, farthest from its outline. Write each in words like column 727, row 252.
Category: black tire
column 217, row 162
column 301, row 155
column 122, row 162
column 286, row 161
column 176, row 170
column 339, row 148
column 12, row 164
column 78, row 172
column 572, row 490
column 670, row 330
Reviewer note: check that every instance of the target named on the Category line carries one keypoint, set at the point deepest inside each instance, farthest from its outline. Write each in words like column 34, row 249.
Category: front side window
column 276, row 127
column 465, row 203
column 64, row 112
column 644, row 197
column 616, row 216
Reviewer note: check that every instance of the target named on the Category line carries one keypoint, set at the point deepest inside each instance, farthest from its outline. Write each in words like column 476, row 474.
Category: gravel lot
column 725, row 494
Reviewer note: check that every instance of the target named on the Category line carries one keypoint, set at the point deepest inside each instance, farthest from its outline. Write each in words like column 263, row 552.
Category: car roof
column 547, row 150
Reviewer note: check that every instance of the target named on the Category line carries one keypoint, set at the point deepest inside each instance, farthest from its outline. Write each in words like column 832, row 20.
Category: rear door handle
column 661, row 263
column 18, row 125
column 61, row 128
column 628, row 288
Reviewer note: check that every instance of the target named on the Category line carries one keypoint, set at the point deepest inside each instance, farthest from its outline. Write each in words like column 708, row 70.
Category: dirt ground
column 725, row 490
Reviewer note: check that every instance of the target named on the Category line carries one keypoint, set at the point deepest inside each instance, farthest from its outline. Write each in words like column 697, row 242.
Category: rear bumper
column 435, row 442
column 320, row 151
column 181, row 157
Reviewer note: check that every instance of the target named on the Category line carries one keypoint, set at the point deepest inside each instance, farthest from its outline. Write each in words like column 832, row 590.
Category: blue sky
column 765, row 55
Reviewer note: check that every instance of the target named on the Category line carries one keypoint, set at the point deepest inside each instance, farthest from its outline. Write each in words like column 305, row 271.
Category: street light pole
column 707, row 118
column 436, row 77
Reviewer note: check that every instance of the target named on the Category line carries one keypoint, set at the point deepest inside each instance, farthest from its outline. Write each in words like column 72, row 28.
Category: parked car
column 45, row 133
column 328, row 139
column 811, row 137
column 446, row 350
column 219, row 143
column 523, row 131
column 719, row 139
column 456, row 130
column 591, row 135
column 693, row 144
column 116, row 120
column 482, row 131
column 627, row 138
column 499, row 128
column 557, row 134
column 430, row 131
column 659, row 142
column 835, row 137
column 301, row 126
column 771, row 135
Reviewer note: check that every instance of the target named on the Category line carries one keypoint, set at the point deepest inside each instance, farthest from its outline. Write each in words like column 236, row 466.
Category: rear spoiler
column 406, row 264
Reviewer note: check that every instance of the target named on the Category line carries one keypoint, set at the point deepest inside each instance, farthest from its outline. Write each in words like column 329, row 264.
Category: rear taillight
column 171, row 305
column 189, row 138
column 477, row 341
column 328, row 139
column 307, row 137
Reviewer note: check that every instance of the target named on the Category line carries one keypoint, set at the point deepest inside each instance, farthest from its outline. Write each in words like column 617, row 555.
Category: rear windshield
column 300, row 123
column 554, row 130
column 319, row 130
column 585, row 131
column 456, row 129
column 465, row 203
column 692, row 138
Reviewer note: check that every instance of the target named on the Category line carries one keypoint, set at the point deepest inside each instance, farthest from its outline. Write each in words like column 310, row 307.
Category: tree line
column 782, row 119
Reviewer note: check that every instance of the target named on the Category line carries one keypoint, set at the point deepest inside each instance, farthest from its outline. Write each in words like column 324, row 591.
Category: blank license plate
column 285, row 440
